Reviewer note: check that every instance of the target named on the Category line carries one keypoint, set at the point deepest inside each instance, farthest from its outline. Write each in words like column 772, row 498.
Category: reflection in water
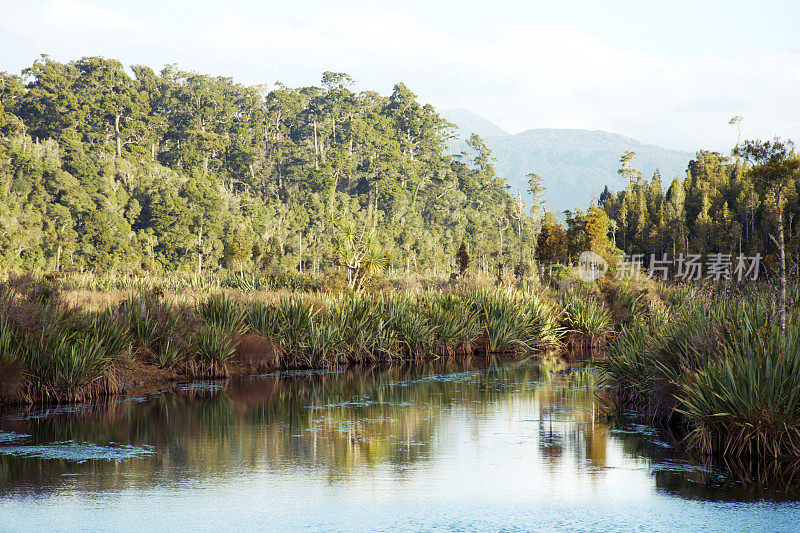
column 510, row 435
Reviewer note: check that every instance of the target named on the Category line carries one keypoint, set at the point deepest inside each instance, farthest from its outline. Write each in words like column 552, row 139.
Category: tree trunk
column 521, row 261
column 200, row 250
column 118, row 134
column 316, row 147
column 519, row 234
column 782, row 248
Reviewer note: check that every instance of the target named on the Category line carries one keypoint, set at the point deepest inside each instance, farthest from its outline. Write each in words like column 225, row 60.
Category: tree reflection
column 338, row 425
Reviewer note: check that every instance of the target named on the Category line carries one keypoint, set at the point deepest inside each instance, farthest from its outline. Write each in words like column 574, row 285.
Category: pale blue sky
column 669, row 73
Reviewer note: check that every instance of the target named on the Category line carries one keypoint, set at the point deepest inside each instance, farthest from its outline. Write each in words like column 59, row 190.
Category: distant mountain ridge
column 469, row 123
column 575, row 164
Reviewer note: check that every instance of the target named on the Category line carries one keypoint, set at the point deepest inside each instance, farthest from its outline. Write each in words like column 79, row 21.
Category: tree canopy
column 108, row 168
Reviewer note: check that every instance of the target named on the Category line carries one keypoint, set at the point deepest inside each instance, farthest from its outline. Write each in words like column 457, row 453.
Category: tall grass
column 722, row 370
column 328, row 331
column 177, row 282
column 59, row 355
column 457, row 325
column 587, row 316
column 220, row 310
column 213, row 349
column 514, row 323
column 61, row 351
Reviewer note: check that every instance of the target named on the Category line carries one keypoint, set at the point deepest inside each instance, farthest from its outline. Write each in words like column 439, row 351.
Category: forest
column 180, row 171
column 724, row 204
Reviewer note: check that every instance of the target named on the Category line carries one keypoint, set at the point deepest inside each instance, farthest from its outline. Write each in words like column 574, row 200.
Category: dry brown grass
column 258, row 353
column 100, row 300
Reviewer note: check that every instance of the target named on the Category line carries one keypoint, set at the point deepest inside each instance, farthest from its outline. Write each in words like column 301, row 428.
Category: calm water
column 514, row 447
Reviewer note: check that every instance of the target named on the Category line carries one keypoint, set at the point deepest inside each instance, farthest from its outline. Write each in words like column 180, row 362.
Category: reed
column 456, row 324
column 415, row 332
column 65, row 360
column 213, row 350
column 149, row 320
column 220, row 310
column 179, row 282
column 513, row 323
column 365, row 328
column 746, row 400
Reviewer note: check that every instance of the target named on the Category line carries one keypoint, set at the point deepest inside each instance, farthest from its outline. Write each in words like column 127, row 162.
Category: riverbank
column 55, row 351
column 707, row 360
column 718, row 367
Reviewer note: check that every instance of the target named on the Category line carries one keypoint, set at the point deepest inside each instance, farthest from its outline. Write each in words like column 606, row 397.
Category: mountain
column 575, row 164
column 469, row 123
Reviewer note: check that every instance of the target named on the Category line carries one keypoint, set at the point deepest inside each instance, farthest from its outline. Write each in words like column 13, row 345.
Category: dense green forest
column 108, row 171
column 725, row 204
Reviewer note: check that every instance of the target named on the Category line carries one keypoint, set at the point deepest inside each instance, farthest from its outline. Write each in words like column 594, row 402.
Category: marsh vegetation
column 52, row 351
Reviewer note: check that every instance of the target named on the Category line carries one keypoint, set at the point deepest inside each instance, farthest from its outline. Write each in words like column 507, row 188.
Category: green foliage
column 456, row 324
column 213, row 346
column 585, row 314
column 222, row 311
column 61, row 355
column 149, row 320
column 512, row 323
column 180, row 172
column 64, row 353
column 722, row 205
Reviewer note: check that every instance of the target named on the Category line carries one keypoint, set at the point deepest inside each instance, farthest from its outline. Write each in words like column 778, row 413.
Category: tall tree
column 775, row 165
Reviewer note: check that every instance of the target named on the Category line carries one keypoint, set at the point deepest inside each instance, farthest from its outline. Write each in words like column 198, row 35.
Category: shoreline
column 145, row 379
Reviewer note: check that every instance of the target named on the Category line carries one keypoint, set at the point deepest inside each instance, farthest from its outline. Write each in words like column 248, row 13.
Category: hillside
column 574, row 163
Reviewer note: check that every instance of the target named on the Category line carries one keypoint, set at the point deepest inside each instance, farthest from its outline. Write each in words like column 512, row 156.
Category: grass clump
column 51, row 353
column 586, row 317
column 220, row 310
column 513, row 323
column 723, row 371
column 213, row 350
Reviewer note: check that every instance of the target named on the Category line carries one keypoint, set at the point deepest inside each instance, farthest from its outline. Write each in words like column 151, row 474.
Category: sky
column 667, row 73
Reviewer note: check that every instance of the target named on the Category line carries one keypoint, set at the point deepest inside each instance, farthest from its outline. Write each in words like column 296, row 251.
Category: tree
column 775, row 164
column 159, row 170
column 536, row 190
column 626, row 171
column 597, row 224
column 736, row 120
column 238, row 249
column 463, row 258
column 552, row 241
column 112, row 98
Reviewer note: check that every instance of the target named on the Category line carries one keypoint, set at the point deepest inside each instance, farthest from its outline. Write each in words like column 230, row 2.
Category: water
column 514, row 447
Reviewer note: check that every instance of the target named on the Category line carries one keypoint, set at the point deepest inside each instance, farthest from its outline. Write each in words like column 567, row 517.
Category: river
column 514, row 446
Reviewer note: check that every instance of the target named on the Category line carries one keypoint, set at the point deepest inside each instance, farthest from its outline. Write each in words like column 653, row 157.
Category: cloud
column 77, row 15
column 519, row 74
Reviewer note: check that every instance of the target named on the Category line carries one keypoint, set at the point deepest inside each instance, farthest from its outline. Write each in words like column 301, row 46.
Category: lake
column 512, row 446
